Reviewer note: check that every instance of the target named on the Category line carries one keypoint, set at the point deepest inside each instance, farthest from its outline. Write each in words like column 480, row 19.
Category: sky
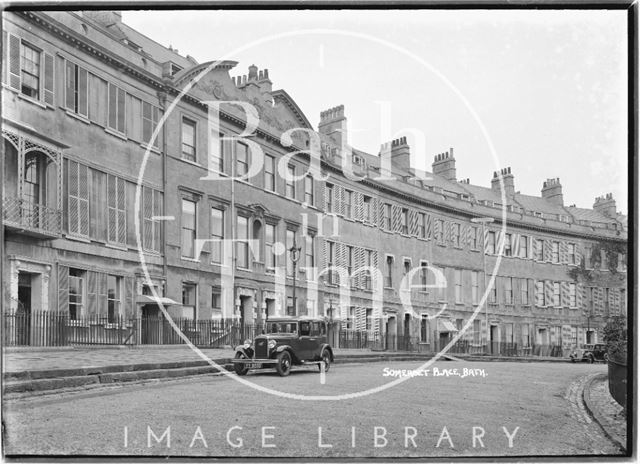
column 543, row 91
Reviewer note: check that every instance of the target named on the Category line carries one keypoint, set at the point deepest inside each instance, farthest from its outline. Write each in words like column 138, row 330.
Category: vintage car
column 590, row 353
column 287, row 342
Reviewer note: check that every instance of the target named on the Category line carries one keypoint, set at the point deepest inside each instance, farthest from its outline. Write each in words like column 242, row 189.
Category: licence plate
column 254, row 365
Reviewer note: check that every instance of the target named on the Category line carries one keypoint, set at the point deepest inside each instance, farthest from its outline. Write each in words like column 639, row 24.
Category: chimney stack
column 507, row 180
column 444, row 164
column 400, row 153
column 333, row 124
column 552, row 191
column 606, row 205
column 253, row 73
column 265, row 83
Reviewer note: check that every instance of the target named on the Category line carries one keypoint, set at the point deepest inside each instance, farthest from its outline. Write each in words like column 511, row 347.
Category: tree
column 615, row 336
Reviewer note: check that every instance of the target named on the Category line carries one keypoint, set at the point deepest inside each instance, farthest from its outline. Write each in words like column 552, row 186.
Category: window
column 270, row 173
column 491, row 237
column 289, row 244
column 493, row 292
column 474, row 237
column 331, row 261
column 508, row 290
column 555, row 252
column 116, row 119
column 526, row 336
column 76, row 294
column 368, row 205
column 308, row 190
column 150, row 118
column 368, row 276
column 350, row 263
column 216, row 304
column 388, row 279
column 406, row 266
column 328, row 198
column 310, row 259
column 455, row 234
column 76, row 91
column 290, row 190
column 188, row 139
column 572, row 295
column 217, row 234
column 507, row 245
column 78, row 201
column 424, row 271
column 113, row 298
column 571, row 253
column 291, row 307
column 188, row 228
column 524, row 246
column 369, row 319
column 524, row 291
column 242, row 254
column 424, row 328
column 439, row 230
column 458, row 285
column 475, row 275
column 405, row 221
column 441, row 285
column 386, row 216
column 540, row 293
column 348, row 204
column 422, row 225
column 476, row 332
column 152, row 227
column 556, row 294
column 189, row 295
column 30, row 71
column 116, row 218
column 539, row 250
column 269, row 240
column 257, row 239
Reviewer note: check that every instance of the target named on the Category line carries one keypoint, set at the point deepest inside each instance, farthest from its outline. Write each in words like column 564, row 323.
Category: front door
column 151, row 325
column 23, row 313
column 494, row 342
column 443, row 340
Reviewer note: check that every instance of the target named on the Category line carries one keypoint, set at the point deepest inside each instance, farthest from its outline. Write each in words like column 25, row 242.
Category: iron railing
column 31, row 216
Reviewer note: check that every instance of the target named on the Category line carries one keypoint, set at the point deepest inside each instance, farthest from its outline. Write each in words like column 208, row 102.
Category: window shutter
column 63, row 289
column 5, row 48
column 122, row 220
column 72, row 173
column 129, row 298
column 530, row 247
column 92, row 294
column 564, row 294
column 147, row 223
column 427, row 226
column 547, row 251
column 49, row 79
column 98, row 205
column 15, row 80
column 70, row 86
column 83, row 199
column 414, row 219
column 396, row 214
column 158, row 225
column 102, row 294
column 515, row 244
column 548, row 293
column 83, row 101
column 579, row 295
column 564, row 252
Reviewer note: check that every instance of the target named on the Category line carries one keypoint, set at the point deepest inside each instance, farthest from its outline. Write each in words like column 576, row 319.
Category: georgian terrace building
column 83, row 98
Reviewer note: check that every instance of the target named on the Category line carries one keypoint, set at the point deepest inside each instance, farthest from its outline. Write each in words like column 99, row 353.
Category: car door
column 307, row 341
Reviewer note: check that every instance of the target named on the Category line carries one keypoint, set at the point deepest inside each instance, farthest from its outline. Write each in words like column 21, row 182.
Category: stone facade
column 113, row 121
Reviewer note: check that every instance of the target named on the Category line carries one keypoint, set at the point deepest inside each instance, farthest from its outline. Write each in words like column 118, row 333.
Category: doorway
column 494, row 340
column 23, row 312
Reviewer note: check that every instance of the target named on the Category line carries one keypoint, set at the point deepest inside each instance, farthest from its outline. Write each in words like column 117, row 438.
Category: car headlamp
column 272, row 344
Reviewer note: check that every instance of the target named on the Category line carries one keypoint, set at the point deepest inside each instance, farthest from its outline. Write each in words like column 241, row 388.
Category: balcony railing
column 30, row 217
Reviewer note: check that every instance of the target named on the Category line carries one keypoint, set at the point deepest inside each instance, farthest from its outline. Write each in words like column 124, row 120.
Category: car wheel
column 326, row 360
column 573, row 360
column 241, row 369
column 283, row 366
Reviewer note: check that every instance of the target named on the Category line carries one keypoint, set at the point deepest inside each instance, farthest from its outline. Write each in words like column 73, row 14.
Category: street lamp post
column 294, row 253
column 484, row 221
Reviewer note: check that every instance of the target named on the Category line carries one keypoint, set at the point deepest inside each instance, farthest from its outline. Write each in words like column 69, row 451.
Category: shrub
column 615, row 336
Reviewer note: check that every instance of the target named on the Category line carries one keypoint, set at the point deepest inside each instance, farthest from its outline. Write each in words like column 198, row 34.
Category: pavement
column 605, row 410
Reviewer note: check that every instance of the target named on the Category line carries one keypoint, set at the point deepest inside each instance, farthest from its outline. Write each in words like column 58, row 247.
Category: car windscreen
column 282, row 327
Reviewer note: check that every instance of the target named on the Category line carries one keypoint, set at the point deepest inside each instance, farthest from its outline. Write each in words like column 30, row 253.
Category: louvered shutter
column 428, row 226
column 129, row 298
column 70, row 85
column 465, row 236
column 63, row 289
column 73, row 208
column 448, row 226
column 548, row 293
column 83, row 101
column 578, row 255
column 5, row 65
column 380, row 209
column 325, row 261
column 374, row 210
column 547, row 251
column 358, row 199
column 414, row 218
column 102, row 294
column 564, row 294
column 515, row 290
column 122, row 223
column 515, row 244
column 112, row 200
column 147, row 213
column 564, row 252
column 14, row 62
column 92, row 294
column 539, row 297
column 396, row 218
column 579, row 295
column 83, row 199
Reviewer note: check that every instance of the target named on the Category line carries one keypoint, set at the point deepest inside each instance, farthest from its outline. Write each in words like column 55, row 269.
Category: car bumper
column 255, row 363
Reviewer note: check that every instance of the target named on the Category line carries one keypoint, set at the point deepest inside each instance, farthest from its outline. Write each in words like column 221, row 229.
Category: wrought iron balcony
column 31, row 218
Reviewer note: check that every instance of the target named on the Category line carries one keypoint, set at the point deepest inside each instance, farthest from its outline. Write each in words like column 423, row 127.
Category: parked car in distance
column 590, row 353
column 287, row 342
